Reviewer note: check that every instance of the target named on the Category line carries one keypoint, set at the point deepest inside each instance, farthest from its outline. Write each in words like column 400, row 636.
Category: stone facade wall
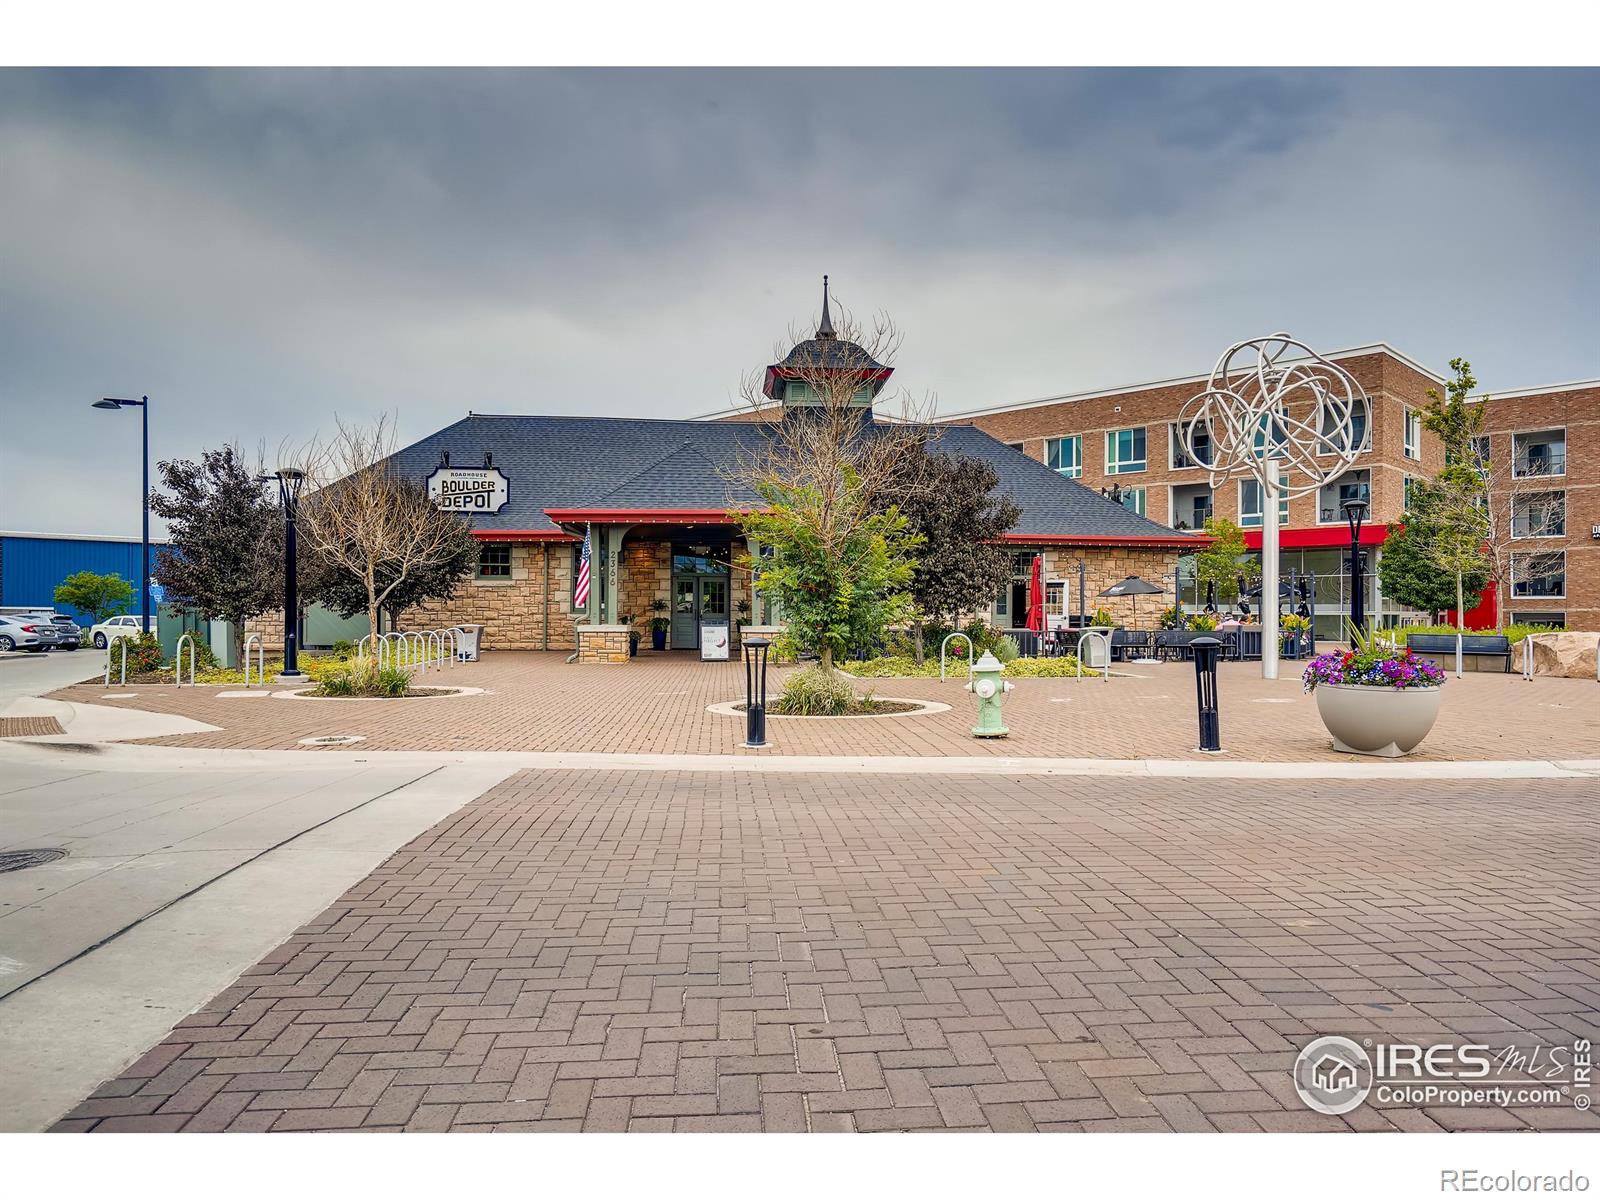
column 1106, row 565
column 602, row 644
column 515, row 613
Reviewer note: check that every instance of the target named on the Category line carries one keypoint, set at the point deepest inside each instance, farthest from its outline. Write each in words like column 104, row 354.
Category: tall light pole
column 290, row 481
column 1355, row 512
column 143, row 405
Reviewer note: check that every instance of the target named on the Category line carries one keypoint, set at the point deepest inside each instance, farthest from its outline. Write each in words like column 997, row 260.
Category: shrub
column 1102, row 617
column 1005, row 648
column 339, row 683
column 391, row 681
column 1060, row 667
column 1202, row 623
column 204, row 659
column 1293, row 623
column 893, row 666
column 144, row 653
column 363, row 677
column 813, row 692
column 1517, row 632
column 1169, row 618
column 343, row 648
column 785, row 648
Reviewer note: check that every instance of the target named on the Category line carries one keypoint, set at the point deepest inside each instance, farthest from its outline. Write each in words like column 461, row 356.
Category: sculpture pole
column 1269, row 568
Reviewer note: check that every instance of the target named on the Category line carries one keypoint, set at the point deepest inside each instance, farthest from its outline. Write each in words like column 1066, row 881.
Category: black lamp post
column 1206, row 650
column 290, row 481
column 143, row 405
column 755, row 691
column 1355, row 512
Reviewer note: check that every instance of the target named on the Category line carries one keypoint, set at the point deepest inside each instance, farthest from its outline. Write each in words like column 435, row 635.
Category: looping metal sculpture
column 1307, row 415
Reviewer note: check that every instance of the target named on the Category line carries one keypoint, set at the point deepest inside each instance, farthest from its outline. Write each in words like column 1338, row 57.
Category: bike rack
column 1105, row 640
column 261, row 660
column 123, row 642
column 177, row 661
column 971, row 652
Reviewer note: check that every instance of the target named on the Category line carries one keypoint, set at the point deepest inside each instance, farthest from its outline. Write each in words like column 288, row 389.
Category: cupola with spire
column 823, row 356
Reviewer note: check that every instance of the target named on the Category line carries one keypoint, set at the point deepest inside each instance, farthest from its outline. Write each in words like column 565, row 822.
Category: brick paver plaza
column 658, row 704
column 606, row 950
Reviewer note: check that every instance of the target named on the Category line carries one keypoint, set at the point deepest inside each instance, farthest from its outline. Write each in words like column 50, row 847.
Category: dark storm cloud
column 259, row 249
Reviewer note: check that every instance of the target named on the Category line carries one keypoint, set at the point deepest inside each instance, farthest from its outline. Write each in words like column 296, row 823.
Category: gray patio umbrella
column 1135, row 587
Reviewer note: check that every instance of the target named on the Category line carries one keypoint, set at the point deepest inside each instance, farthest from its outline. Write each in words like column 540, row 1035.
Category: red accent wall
column 1482, row 615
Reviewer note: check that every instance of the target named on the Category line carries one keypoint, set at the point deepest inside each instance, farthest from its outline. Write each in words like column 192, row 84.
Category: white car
column 106, row 632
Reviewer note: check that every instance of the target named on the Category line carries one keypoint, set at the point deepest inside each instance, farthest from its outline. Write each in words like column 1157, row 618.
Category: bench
column 1473, row 645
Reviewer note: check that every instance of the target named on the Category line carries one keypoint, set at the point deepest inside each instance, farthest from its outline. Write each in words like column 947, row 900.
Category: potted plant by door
column 633, row 635
column 659, row 624
column 1378, row 699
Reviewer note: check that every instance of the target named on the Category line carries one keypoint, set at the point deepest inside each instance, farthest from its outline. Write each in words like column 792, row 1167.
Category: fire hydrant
column 990, row 690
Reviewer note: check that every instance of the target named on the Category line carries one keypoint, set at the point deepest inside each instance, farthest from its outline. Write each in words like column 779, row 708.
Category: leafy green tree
column 1454, row 509
column 1225, row 561
column 225, row 561
column 950, row 501
column 837, row 584
column 101, row 596
column 1412, row 578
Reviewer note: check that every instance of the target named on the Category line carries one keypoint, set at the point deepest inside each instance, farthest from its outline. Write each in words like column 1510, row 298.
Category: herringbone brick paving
column 670, row 950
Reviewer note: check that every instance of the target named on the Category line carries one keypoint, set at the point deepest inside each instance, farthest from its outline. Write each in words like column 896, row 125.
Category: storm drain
column 333, row 739
column 21, row 860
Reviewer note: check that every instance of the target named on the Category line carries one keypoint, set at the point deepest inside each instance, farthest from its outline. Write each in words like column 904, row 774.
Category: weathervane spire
column 825, row 327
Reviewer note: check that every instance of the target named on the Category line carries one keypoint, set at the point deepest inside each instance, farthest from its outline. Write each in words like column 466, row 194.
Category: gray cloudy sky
column 259, row 250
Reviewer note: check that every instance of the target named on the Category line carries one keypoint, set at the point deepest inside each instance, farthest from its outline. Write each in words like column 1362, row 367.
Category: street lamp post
column 1355, row 512
column 143, row 405
column 290, row 481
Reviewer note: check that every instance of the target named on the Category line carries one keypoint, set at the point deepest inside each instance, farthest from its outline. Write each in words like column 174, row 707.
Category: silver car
column 26, row 633
column 67, row 630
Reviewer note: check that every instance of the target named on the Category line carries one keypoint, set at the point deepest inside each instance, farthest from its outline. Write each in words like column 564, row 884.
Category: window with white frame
column 1178, row 457
column 1252, row 500
column 1407, row 486
column 1539, row 514
column 1411, row 445
column 1542, row 617
column 1536, row 455
column 1015, row 445
column 1056, row 597
column 494, row 560
column 1358, row 419
column 1133, row 499
column 1539, row 573
column 1064, row 455
column 1332, row 497
column 1125, row 451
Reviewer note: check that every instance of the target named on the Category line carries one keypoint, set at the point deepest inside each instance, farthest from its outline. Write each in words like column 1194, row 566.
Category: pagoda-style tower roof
column 824, row 351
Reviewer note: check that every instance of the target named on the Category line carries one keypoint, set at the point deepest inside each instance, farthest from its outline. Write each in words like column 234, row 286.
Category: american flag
column 580, row 594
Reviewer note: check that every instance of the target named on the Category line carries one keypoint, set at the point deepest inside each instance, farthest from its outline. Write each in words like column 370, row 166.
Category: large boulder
column 1569, row 655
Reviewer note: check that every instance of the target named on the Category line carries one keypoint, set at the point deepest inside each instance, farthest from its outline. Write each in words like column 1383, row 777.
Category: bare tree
column 365, row 519
column 835, row 472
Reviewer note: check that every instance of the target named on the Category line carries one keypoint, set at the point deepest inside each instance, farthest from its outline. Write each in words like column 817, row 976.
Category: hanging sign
column 469, row 489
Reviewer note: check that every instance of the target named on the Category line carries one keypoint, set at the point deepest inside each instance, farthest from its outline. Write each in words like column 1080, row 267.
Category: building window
column 1056, row 598
column 1358, row 420
column 1412, row 446
column 1407, row 486
column 1179, row 457
column 1125, row 451
column 1539, row 514
column 1557, row 619
column 1539, row 573
column 1331, row 497
column 494, row 560
column 1539, row 455
column 1012, row 603
column 1250, row 502
column 1017, row 446
column 1191, row 506
column 1064, row 455
column 1132, row 499
column 1270, row 439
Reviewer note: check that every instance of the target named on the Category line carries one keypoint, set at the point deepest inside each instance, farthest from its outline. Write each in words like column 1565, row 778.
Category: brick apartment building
column 1124, row 441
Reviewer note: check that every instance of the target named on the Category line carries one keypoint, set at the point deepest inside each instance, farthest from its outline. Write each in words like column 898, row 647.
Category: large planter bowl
column 1382, row 721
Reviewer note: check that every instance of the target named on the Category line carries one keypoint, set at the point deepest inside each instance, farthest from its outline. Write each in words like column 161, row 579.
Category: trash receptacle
column 469, row 641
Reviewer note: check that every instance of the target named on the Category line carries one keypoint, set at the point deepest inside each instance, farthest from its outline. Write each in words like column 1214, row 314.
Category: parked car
column 27, row 633
column 66, row 628
column 106, row 632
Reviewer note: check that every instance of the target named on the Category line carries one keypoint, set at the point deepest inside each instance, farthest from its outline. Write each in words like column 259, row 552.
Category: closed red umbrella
column 1036, row 596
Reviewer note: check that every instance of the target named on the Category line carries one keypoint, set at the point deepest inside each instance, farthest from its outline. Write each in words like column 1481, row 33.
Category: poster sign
column 469, row 490
column 713, row 642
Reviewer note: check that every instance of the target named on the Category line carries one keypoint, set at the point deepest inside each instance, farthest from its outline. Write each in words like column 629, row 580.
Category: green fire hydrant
column 990, row 690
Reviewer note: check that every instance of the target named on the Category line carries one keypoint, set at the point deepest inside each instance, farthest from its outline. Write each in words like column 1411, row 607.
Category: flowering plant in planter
column 1374, row 663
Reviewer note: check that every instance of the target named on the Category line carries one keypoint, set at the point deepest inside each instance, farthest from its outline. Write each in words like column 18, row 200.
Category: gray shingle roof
column 636, row 463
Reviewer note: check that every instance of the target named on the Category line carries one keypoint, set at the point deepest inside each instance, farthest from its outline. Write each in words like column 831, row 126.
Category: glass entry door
column 699, row 592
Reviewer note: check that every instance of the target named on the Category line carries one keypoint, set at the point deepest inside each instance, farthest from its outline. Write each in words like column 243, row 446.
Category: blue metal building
column 32, row 564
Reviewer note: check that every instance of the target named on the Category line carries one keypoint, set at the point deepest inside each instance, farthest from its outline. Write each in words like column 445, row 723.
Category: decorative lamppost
column 290, row 480
column 755, row 691
column 1355, row 512
column 1288, row 413
column 143, row 405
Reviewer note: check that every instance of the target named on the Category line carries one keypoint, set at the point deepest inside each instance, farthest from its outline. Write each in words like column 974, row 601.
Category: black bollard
column 755, row 692
column 1206, row 650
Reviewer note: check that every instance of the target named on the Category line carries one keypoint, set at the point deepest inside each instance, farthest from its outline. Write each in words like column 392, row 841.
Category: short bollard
column 990, row 690
column 1206, row 651
column 755, row 692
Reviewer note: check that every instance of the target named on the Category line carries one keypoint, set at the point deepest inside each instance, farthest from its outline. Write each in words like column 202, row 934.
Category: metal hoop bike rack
column 177, row 661
column 971, row 651
column 1105, row 642
column 261, row 660
column 123, row 642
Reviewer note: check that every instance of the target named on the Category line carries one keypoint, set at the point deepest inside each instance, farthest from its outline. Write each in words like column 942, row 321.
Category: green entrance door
column 699, row 592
